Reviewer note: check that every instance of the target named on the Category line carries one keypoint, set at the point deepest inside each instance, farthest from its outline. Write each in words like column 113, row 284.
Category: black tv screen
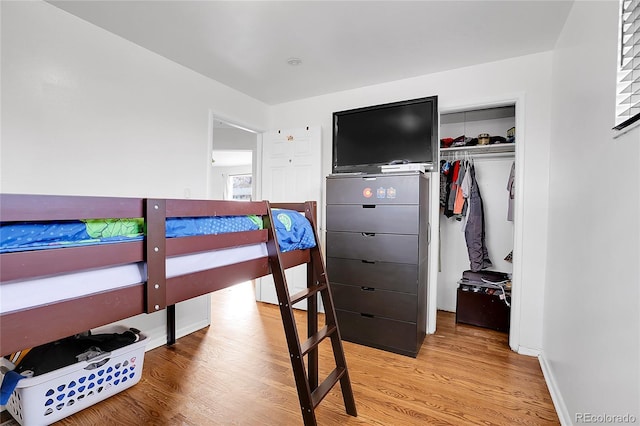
column 400, row 132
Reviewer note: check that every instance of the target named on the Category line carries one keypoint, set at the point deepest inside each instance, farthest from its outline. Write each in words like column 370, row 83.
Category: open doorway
column 233, row 172
column 233, row 162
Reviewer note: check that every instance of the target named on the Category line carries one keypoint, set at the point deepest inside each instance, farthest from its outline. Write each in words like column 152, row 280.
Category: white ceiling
column 342, row 44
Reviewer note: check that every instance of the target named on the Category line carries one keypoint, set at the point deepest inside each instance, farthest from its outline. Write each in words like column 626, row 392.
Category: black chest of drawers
column 377, row 252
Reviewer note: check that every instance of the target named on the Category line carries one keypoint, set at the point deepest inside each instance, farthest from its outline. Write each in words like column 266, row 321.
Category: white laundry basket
column 45, row 399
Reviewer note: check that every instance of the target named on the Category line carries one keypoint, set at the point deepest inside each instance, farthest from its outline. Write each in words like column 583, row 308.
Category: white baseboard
column 556, row 396
column 193, row 327
column 158, row 336
column 523, row 350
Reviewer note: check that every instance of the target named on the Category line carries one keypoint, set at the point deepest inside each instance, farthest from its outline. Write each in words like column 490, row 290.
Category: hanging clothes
column 453, row 189
column 444, row 170
column 474, row 231
column 511, row 187
column 459, row 197
column 447, row 176
column 452, row 200
column 466, row 193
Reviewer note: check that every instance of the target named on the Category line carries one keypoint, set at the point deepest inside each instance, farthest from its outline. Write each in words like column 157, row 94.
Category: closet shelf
column 482, row 149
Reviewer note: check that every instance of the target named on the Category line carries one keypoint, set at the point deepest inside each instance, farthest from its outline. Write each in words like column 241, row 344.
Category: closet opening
column 476, row 215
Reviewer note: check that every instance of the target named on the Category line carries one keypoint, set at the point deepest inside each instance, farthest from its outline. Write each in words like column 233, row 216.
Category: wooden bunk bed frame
column 45, row 323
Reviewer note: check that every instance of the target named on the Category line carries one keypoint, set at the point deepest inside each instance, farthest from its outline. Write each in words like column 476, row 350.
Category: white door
column 291, row 172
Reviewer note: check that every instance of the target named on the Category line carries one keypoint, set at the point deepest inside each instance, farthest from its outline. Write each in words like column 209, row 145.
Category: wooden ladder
column 309, row 392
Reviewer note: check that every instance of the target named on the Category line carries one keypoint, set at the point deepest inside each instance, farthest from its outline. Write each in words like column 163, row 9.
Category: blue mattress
column 293, row 230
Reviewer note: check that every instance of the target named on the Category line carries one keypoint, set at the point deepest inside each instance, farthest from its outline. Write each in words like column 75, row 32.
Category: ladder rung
column 307, row 293
column 328, row 383
column 315, row 340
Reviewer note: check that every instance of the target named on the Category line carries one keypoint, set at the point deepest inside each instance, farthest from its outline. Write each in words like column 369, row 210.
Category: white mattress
column 19, row 295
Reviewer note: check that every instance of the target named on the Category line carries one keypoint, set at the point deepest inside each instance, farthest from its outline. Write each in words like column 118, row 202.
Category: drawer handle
column 368, row 206
column 369, row 178
column 368, row 234
column 370, row 262
column 367, row 315
column 368, row 288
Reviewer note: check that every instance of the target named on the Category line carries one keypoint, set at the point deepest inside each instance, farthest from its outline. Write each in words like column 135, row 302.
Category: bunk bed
column 49, row 293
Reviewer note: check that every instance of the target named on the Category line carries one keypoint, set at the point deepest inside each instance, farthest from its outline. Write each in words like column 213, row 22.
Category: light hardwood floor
column 237, row 372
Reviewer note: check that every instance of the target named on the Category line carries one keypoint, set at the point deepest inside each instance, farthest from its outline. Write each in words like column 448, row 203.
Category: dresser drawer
column 373, row 247
column 402, row 277
column 379, row 303
column 388, row 219
column 374, row 189
column 395, row 336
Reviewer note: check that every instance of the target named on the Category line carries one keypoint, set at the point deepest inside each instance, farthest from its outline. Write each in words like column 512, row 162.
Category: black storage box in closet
column 377, row 246
column 482, row 310
column 481, row 303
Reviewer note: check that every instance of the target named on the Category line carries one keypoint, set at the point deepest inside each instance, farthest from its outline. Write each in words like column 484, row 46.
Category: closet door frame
column 518, row 231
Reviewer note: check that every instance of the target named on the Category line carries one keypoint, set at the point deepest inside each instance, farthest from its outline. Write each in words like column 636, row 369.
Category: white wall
column 87, row 112
column 591, row 351
column 527, row 77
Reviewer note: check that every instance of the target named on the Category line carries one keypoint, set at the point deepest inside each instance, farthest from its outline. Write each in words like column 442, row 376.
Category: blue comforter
column 293, row 230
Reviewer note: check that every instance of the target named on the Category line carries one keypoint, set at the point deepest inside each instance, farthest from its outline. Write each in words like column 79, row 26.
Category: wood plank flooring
column 237, row 372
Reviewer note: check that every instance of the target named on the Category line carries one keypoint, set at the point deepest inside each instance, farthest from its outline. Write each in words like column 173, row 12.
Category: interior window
column 239, row 187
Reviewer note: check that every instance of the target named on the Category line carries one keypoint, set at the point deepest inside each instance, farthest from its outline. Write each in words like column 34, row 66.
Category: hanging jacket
column 474, row 230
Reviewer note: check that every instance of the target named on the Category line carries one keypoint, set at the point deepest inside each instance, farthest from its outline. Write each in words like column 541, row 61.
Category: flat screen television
column 364, row 139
